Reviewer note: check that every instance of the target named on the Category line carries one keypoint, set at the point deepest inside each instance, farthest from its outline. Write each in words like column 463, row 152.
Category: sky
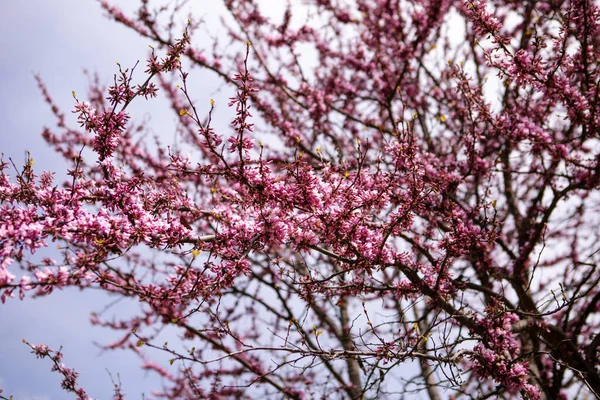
column 57, row 40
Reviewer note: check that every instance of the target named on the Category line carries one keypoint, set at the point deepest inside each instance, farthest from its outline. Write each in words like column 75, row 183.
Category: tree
column 415, row 209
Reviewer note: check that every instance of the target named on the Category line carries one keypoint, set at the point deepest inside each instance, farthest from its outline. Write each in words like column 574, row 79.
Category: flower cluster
column 69, row 380
column 496, row 356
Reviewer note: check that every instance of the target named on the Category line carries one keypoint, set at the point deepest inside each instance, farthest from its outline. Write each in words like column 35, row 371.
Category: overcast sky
column 57, row 40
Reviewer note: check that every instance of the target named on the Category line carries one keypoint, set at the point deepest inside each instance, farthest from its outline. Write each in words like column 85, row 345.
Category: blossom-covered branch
column 405, row 202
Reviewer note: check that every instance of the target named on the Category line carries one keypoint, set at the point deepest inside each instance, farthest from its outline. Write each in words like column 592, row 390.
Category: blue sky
column 58, row 40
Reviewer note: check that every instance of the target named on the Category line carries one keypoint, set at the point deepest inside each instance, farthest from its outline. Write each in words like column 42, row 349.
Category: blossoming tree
column 412, row 208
